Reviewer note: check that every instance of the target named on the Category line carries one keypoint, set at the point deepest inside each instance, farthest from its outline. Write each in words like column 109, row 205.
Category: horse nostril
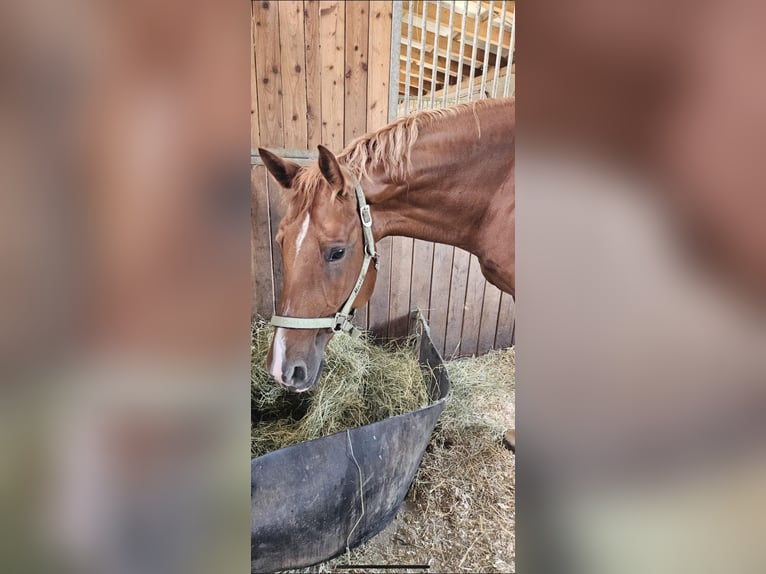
column 295, row 374
column 299, row 374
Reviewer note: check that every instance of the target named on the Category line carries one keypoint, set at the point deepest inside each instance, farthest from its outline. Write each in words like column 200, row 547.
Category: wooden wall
column 320, row 74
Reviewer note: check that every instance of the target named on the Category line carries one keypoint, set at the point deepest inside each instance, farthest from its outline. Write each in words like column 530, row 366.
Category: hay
column 465, row 487
column 361, row 383
column 459, row 515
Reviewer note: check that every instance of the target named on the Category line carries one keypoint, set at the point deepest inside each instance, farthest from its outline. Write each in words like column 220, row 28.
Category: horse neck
column 459, row 165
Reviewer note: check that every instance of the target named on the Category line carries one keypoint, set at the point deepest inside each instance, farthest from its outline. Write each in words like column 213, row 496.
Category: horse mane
column 388, row 149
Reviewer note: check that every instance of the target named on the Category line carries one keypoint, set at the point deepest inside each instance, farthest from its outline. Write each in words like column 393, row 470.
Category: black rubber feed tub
column 306, row 501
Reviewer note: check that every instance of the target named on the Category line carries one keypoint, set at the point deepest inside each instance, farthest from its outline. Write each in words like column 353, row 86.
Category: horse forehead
column 318, row 224
column 333, row 218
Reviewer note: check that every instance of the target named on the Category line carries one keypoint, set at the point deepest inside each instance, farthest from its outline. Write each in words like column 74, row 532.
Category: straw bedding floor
column 459, row 514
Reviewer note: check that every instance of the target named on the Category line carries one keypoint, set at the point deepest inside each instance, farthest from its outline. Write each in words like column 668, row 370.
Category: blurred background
column 641, row 257
column 125, row 286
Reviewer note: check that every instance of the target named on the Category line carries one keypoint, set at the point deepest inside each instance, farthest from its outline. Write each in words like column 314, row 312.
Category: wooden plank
column 293, row 61
column 422, row 263
column 357, row 36
column 378, row 70
column 360, row 317
column 401, row 276
column 332, row 44
column 379, row 55
column 458, row 282
column 464, row 86
column 263, row 292
column 427, row 76
column 276, row 208
column 481, row 37
column 474, row 297
column 313, row 74
column 440, row 288
column 441, row 64
column 441, row 50
column 412, row 90
column 254, row 287
column 377, row 312
column 505, row 322
column 254, row 131
column 489, row 315
column 355, row 85
column 513, row 331
column 267, row 68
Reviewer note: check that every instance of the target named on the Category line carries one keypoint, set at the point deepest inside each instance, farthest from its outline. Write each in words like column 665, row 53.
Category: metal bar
column 475, row 48
column 462, row 47
column 509, row 67
column 256, row 160
column 421, row 72
column 301, row 157
column 487, row 44
column 449, row 53
column 436, row 53
column 408, row 63
column 394, row 64
column 287, row 153
column 499, row 53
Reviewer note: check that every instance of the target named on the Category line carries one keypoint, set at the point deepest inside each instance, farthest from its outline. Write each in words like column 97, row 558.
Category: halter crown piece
column 341, row 321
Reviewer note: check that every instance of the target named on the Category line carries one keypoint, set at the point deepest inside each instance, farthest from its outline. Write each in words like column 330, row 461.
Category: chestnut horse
column 442, row 175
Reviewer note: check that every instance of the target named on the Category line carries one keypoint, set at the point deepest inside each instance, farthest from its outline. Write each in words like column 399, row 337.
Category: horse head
column 325, row 255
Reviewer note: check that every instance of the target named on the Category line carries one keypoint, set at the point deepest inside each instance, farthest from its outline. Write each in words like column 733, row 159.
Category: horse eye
column 336, row 254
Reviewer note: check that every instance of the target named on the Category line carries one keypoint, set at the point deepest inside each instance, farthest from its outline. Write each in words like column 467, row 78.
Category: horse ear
column 283, row 170
column 330, row 168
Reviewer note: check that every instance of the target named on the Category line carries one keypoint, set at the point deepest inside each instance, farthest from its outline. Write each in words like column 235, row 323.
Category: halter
column 341, row 321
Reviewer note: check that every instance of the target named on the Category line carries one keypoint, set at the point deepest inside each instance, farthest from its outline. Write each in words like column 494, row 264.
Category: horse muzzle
column 297, row 378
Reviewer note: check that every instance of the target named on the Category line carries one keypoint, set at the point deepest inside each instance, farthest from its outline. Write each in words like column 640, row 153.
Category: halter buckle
column 341, row 321
column 366, row 216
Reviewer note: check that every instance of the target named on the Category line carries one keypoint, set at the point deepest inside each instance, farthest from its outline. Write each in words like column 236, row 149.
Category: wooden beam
column 476, row 94
column 442, row 60
column 454, row 34
column 428, row 75
column 413, row 89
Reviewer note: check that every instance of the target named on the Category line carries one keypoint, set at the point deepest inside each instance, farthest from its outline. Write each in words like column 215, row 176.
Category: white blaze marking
column 302, row 234
column 278, row 354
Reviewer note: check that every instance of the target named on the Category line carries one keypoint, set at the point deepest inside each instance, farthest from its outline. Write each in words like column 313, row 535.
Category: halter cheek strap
column 341, row 322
